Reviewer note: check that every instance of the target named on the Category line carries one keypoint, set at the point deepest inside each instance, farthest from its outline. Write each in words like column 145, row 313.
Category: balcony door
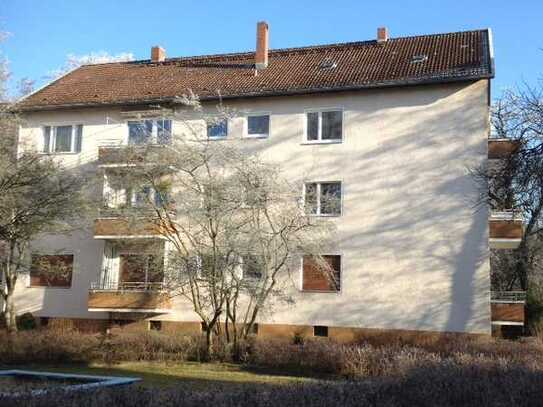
column 140, row 270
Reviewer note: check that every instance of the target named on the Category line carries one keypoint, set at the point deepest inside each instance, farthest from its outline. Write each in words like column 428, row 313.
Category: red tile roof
column 358, row 65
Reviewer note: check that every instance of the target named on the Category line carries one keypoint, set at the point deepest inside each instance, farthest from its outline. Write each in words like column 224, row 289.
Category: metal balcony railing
column 127, row 286
column 508, row 296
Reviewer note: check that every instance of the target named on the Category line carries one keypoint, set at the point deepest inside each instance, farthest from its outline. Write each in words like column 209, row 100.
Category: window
column 140, row 269
column 51, row 270
column 155, row 131
column 252, row 267
column 62, row 139
column 258, row 126
column 326, row 126
column 162, row 198
column 155, row 325
column 319, row 330
column 254, row 329
column 321, row 276
column 217, row 129
column 141, row 197
column 323, row 198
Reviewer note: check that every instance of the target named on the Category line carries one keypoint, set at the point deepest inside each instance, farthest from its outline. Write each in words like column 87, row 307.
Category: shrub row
column 445, row 385
column 316, row 356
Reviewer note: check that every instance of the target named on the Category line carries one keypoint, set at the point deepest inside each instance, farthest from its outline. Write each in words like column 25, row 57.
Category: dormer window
column 415, row 59
column 328, row 64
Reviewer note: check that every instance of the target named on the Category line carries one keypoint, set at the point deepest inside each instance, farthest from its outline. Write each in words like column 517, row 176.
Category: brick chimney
column 382, row 34
column 158, row 54
column 262, row 45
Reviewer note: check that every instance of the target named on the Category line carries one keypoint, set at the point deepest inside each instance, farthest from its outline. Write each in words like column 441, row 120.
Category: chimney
column 158, row 54
column 382, row 34
column 261, row 57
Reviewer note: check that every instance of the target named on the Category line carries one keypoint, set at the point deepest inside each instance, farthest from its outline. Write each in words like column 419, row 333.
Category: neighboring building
column 389, row 124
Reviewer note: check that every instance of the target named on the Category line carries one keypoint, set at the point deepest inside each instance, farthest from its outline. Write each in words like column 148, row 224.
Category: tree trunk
column 209, row 342
column 10, row 315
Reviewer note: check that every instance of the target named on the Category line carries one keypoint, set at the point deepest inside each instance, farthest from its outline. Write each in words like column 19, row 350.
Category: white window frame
column 154, row 131
column 341, row 278
column 319, row 137
column 329, row 215
column 146, row 265
column 257, row 136
column 243, row 276
column 218, row 138
column 53, row 138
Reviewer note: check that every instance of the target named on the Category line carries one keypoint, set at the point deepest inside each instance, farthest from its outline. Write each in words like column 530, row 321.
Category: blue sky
column 45, row 32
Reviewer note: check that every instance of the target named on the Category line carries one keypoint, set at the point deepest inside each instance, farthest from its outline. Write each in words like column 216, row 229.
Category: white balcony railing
column 127, row 286
column 508, row 296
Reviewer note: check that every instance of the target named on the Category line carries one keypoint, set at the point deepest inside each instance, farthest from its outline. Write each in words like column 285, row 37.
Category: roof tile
column 453, row 56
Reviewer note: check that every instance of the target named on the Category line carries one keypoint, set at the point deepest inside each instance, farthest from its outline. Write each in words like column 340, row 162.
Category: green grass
column 195, row 375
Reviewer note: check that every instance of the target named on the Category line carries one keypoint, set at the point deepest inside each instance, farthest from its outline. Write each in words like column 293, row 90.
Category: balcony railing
column 499, row 148
column 508, row 296
column 119, row 227
column 127, row 286
column 129, row 297
column 505, row 230
column 135, row 155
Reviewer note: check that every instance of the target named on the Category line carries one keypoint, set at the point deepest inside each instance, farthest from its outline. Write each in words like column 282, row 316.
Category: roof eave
column 289, row 92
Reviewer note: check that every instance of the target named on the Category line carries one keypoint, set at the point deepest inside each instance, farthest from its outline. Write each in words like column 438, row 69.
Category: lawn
column 193, row 375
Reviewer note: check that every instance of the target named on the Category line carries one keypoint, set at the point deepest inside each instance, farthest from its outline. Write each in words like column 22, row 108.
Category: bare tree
column 236, row 226
column 75, row 61
column 516, row 183
column 37, row 195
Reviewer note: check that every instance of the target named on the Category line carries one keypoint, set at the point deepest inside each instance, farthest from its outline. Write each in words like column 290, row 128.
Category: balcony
column 134, row 155
column 507, row 307
column 129, row 297
column 505, row 230
column 123, row 227
column 499, row 148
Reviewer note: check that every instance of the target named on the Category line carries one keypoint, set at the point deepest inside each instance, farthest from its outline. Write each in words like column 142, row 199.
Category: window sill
column 309, row 142
column 256, row 136
column 313, row 215
column 320, row 291
column 61, row 153
column 49, row 286
column 216, row 138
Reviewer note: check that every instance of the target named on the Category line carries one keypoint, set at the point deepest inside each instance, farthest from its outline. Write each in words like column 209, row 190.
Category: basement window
column 155, row 325
column 321, row 331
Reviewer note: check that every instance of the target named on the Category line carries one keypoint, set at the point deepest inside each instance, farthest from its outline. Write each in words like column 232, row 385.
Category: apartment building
column 389, row 125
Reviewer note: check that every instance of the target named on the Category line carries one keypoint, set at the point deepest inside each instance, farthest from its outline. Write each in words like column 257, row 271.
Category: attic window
column 415, row 59
column 327, row 64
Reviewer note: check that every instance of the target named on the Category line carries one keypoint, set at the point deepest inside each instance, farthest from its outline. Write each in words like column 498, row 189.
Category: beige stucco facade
column 415, row 252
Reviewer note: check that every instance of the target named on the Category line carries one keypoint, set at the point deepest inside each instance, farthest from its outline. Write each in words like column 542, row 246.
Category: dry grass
column 457, row 371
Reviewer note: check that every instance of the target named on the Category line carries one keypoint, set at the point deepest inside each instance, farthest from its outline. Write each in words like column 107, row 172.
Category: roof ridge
column 245, row 54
